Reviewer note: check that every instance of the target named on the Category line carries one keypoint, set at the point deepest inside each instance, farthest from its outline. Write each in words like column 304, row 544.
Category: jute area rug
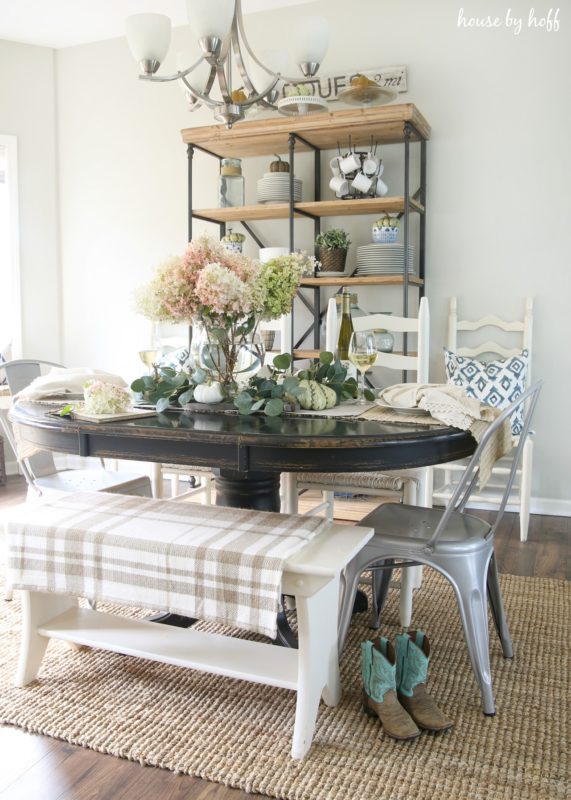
column 239, row 734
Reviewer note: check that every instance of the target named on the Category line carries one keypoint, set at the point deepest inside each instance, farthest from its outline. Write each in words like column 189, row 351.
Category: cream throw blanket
column 451, row 405
column 61, row 381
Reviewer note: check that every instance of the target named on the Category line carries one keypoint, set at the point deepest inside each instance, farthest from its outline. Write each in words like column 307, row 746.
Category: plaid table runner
column 219, row 564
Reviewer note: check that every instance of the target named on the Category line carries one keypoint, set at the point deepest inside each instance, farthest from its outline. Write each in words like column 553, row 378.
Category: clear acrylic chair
column 458, row 545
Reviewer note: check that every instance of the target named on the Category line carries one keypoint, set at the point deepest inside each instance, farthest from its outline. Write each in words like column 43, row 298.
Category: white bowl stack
column 274, row 188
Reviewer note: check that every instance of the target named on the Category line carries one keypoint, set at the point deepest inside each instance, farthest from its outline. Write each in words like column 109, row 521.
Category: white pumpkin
column 209, row 392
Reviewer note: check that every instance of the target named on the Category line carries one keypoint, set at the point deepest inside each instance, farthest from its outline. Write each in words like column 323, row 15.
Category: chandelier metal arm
column 223, row 83
column 199, row 96
column 241, row 29
column 248, row 84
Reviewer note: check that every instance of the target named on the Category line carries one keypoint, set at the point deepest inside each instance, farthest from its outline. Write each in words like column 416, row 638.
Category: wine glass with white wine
column 150, row 358
column 362, row 354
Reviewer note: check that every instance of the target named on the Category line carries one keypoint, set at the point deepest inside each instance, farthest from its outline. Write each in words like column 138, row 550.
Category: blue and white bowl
column 384, row 235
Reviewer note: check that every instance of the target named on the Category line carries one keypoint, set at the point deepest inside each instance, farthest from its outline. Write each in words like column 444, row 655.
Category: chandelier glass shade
column 218, row 27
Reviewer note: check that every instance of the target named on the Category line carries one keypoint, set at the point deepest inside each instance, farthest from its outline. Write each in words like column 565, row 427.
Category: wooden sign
column 329, row 87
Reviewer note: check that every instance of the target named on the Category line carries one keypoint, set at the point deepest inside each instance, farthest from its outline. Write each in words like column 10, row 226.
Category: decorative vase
column 232, row 354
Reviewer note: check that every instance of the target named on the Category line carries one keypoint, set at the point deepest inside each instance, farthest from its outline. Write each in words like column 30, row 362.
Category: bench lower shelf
column 183, row 647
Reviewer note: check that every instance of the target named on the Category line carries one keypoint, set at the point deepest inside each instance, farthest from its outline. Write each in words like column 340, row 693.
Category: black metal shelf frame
column 314, row 305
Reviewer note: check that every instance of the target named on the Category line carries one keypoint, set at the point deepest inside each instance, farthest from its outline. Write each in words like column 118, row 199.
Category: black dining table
column 248, row 453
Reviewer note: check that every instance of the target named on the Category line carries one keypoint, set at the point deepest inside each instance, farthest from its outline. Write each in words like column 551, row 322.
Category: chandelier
column 219, row 28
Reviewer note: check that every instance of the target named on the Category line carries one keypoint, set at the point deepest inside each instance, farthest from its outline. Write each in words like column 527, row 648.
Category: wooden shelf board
column 303, row 353
column 266, row 136
column 319, row 208
column 306, row 353
column 371, row 280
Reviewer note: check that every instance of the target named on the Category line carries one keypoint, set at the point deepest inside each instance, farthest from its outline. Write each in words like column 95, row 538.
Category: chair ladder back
column 467, row 483
column 419, row 325
column 523, row 327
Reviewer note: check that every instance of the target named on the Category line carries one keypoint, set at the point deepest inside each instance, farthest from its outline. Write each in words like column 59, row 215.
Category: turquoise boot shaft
column 379, row 675
column 412, row 662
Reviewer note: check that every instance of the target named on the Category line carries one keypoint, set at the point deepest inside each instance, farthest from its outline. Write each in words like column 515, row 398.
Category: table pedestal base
column 256, row 490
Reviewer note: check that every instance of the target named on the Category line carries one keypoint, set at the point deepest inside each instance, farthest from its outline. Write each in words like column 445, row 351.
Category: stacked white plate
column 383, row 259
column 274, row 188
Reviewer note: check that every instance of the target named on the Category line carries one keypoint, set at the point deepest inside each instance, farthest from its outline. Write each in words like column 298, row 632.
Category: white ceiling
column 64, row 23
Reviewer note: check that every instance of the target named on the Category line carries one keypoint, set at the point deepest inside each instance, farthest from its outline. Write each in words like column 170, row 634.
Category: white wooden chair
column 447, row 475
column 283, row 342
column 413, row 486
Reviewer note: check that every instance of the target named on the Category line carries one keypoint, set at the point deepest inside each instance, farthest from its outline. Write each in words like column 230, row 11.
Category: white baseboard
column 550, row 506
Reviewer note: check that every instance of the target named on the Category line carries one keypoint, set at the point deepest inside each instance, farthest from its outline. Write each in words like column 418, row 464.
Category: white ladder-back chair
column 413, row 486
column 447, row 475
column 284, row 343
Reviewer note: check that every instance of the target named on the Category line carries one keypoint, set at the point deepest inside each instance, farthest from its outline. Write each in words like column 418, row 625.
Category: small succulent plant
column 333, row 239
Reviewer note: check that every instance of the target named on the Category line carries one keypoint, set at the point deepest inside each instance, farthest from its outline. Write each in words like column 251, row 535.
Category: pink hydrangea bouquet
column 227, row 294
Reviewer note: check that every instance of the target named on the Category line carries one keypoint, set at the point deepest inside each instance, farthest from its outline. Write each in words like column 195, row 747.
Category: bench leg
column 318, row 662
column 37, row 609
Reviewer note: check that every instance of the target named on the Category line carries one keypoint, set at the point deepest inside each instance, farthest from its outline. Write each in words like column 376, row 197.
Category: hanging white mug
column 381, row 188
column 334, row 164
column 339, row 185
column 370, row 164
column 350, row 163
column 362, row 183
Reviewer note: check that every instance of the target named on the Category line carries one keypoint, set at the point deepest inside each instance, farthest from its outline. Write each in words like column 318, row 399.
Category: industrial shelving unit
column 388, row 125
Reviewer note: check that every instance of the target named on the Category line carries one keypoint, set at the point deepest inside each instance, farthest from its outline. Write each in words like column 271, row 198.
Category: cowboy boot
column 413, row 651
column 379, row 689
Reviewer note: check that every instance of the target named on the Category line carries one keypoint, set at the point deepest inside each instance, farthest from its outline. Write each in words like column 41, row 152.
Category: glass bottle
column 356, row 311
column 345, row 329
column 230, row 183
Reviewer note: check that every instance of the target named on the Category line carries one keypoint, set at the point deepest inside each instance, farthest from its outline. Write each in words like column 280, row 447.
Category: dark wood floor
column 40, row 768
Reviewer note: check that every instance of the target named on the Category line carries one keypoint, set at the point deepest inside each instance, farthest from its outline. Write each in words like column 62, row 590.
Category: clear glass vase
column 232, row 354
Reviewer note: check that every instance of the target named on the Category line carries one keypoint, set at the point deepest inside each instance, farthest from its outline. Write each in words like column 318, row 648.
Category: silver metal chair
column 458, row 545
column 40, row 470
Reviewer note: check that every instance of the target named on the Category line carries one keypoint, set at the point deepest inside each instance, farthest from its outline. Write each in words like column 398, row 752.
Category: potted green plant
column 333, row 245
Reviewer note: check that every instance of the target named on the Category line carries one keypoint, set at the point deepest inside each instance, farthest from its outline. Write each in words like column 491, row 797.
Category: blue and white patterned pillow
column 496, row 383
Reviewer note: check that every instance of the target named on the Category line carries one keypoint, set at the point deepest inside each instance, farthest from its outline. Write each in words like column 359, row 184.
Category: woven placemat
column 239, row 734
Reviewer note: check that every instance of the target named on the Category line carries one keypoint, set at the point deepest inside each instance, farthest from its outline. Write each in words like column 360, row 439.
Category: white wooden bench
column 312, row 576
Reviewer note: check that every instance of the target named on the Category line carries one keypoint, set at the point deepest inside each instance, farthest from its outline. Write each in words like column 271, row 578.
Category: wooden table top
column 247, row 443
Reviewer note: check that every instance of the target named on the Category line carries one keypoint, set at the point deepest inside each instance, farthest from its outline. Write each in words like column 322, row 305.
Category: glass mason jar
column 230, row 183
column 384, row 340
